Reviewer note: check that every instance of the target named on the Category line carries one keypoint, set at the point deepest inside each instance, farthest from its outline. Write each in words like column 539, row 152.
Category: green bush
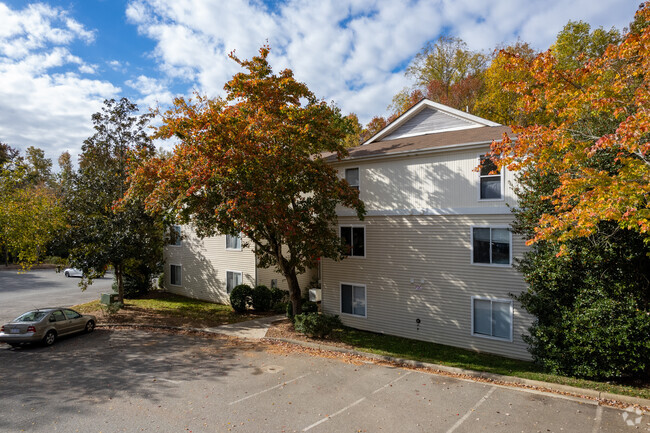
column 316, row 325
column 279, row 296
column 262, row 298
column 241, row 297
column 279, row 308
column 309, row 307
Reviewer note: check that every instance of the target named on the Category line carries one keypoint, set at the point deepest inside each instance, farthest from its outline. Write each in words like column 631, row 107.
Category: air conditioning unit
column 314, row 295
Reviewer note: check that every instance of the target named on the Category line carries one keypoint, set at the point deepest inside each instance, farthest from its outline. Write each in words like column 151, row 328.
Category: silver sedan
column 45, row 325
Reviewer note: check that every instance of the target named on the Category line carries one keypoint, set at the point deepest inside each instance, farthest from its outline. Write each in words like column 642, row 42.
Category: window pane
column 71, row 314
column 358, row 247
column 233, row 242
column 482, row 317
column 359, row 303
column 352, row 176
column 346, row 238
column 491, row 187
column 346, row 299
column 481, row 245
column 487, row 166
column 501, row 246
column 501, row 319
column 175, row 235
column 175, row 275
column 238, row 278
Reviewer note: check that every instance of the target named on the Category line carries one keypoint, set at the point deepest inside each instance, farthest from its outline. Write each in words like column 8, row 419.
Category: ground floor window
column 175, row 275
column 492, row 318
column 233, row 279
column 353, row 299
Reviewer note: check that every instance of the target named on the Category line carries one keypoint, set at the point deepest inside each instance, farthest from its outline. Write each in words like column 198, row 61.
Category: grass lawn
column 160, row 308
column 455, row 357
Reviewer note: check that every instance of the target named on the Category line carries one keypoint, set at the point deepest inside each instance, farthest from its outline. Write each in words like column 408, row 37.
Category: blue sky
column 60, row 59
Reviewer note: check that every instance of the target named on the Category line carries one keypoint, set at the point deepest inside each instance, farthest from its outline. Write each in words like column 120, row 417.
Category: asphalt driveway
column 44, row 288
column 127, row 381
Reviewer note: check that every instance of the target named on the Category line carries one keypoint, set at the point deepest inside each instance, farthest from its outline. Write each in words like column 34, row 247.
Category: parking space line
column 354, row 404
column 469, row 412
column 267, row 390
column 598, row 419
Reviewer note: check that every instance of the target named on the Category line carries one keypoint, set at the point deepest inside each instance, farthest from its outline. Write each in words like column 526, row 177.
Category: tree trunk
column 294, row 291
column 120, row 284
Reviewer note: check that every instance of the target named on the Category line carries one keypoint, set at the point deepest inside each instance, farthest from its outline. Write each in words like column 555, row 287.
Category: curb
column 590, row 394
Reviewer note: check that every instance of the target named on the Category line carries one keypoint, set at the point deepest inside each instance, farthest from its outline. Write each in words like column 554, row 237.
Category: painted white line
column 354, row 404
column 469, row 412
column 598, row 419
column 268, row 389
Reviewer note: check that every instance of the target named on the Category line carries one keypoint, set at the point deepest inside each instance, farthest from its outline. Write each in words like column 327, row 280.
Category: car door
column 61, row 324
column 75, row 320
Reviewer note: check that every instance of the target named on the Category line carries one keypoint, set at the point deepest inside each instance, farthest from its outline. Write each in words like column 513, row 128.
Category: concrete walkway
column 251, row 329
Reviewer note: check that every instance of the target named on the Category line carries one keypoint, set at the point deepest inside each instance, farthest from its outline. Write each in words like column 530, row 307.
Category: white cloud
column 350, row 51
column 153, row 92
column 40, row 107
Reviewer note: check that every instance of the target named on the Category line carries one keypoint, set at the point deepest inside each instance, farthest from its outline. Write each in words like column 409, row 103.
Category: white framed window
column 352, row 176
column 353, row 299
column 354, row 239
column 274, row 283
column 491, row 246
column 233, row 242
column 175, row 237
column 175, row 275
column 491, row 180
column 233, row 279
column 492, row 318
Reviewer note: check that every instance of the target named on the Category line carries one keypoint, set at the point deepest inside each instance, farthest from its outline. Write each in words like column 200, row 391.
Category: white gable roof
column 428, row 117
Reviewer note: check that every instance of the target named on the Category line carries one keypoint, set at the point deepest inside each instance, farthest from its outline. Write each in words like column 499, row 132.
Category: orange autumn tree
column 251, row 164
column 599, row 109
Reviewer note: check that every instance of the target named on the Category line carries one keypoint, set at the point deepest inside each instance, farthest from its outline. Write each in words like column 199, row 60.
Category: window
column 352, row 176
column 58, row 316
column 492, row 318
column 353, row 299
column 175, row 235
column 490, row 184
column 491, row 245
column 233, row 242
column 175, row 275
column 233, row 279
column 70, row 314
column 354, row 239
column 274, row 283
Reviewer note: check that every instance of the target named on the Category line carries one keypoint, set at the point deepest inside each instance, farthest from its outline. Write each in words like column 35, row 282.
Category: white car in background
column 72, row 272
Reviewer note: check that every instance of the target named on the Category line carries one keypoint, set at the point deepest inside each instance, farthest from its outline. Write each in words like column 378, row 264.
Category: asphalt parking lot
column 20, row 292
column 127, row 381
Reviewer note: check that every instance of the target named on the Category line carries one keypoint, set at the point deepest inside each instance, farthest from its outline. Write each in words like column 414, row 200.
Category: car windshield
column 32, row 316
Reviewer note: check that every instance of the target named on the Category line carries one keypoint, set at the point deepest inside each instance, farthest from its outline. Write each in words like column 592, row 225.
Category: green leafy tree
column 252, row 164
column 101, row 234
column 581, row 164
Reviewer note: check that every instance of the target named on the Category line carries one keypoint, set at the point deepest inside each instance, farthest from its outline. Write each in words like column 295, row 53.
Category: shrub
column 262, row 298
column 309, row 307
column 279, row 296
column 316, row 325
column 279, row 308
column 241, row 297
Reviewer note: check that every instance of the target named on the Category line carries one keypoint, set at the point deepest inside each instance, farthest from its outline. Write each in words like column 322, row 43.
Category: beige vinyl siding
column 204, row 264
column 264, row 276
column 439, row 182
column 435, row 249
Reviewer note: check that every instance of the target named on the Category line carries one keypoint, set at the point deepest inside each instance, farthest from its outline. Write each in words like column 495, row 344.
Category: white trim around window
column 502, row 184
column 493, row 327
column 491, row 260
column 241, row 280
column 177, row 272
column 345, row 176
column 354, row 287
column 238, row 248
column 352, row 237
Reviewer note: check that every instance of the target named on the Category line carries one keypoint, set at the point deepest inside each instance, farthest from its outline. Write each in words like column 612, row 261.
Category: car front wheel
column 90, row 326
column 49, row 338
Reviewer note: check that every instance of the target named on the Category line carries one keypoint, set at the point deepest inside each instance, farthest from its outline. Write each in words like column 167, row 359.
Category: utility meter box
column 109, row 298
